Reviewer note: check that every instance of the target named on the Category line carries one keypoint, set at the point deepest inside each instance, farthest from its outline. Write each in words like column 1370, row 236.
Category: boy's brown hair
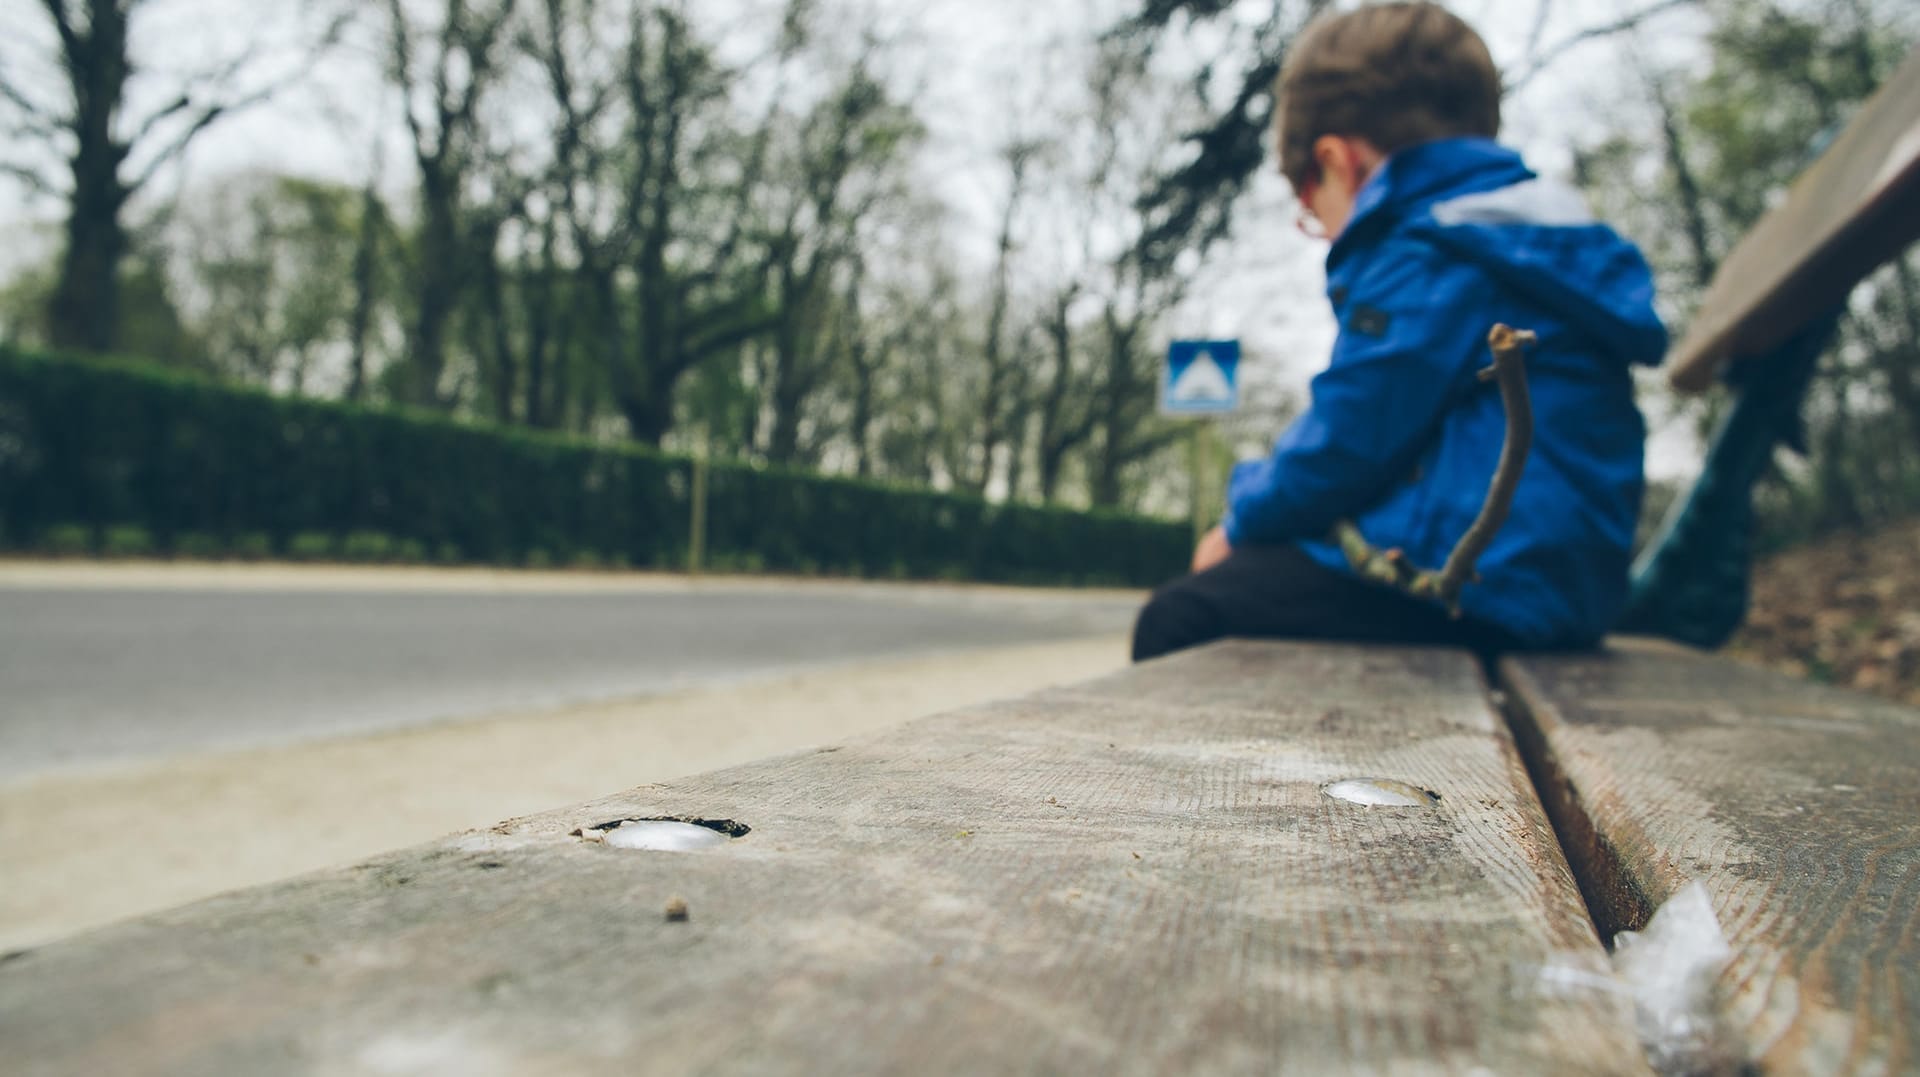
column 1394, row 74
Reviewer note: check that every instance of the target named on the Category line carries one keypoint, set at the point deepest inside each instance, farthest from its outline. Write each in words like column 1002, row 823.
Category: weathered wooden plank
column 1852, row 210
column 1796, row 805
column 1140, row 874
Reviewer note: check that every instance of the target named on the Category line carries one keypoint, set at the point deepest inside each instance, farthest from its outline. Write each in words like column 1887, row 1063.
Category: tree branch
column 63, row 23
column 179, row 105
column 479, row 45
column 39, row 117
column 31, row 178
column 1391, row 566
column 1538, row 63
column 211, row 114
column 179, row 145
column 401, row 72
column 1542, row 9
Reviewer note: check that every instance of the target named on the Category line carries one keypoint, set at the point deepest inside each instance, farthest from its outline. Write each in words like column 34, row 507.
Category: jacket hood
column 1478, row 200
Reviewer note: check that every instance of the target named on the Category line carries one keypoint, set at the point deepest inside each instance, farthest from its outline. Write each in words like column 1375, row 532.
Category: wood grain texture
column 1797, row 805
column 1137, row 875
column 1852, row 210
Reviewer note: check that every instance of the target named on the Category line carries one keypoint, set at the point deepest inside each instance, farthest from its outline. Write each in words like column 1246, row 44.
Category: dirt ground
column 1845, row 611
column 82, row 849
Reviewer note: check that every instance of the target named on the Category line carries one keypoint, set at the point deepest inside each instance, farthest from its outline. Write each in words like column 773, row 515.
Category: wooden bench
column 1798, row 808
column 1158, row 871
column 1255, row 857
column 1144, row 874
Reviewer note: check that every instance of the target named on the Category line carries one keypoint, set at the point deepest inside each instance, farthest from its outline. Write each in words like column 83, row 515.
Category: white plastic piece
column 1670, row 969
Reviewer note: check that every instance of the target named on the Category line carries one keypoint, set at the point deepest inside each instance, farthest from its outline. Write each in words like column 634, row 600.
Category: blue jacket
column 1447, row 238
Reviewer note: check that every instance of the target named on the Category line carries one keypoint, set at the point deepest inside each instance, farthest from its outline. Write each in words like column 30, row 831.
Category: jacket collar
column 1420, row 175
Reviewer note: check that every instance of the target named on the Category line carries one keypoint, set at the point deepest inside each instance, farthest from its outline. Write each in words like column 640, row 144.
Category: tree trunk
column 540, row 319
column 783, row 443
column 360, row 322
column 649, row 416
column 85, row 311
column 992, row 413
column 505, row 365
column 560, row 400
column 1895, row 362
column 1059, row 433
column 1687, row 186
column 1017, row 455
column 866, row 368
column 438, row 289
column 791, row 340
column 1839, row 501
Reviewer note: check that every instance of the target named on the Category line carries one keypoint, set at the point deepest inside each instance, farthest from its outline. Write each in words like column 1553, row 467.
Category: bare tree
column 372, row 227
column 442, row 76
column 109, row 157
column 653, row 186
column 1066, row 416
column 1096, row 397
column 563, row 42
column 1126, row 433
column 845, row 153
column 869, row 353
column 1002, row 349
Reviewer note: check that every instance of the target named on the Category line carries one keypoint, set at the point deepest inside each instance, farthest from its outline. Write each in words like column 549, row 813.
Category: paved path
column 143, row 664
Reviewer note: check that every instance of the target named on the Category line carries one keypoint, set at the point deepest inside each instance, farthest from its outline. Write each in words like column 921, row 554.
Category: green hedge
column 118, row 456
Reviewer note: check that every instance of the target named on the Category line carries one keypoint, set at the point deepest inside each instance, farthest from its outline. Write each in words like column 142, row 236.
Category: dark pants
column 1278, row 592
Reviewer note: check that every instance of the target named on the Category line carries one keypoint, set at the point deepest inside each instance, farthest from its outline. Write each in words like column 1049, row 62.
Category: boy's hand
column 1212, row 549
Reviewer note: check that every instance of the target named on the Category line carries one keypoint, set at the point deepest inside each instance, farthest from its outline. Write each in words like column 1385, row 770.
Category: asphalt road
column 91, row 675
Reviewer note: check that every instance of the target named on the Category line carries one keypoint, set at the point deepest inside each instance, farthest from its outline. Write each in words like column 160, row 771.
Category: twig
column 1538, row 62
column 1391, row 567
column 1542, row 9
column 28, row 177
column 1509, row 370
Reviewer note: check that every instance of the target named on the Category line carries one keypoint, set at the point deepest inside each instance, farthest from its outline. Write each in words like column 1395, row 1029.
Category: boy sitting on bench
column 1386, row 121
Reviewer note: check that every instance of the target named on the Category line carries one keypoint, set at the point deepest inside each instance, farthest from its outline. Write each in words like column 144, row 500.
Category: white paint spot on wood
column 1381, row 793
column 663, row 836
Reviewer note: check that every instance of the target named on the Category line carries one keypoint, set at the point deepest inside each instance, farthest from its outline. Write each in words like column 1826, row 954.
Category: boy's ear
column 1347, row 161
column 1333, row 157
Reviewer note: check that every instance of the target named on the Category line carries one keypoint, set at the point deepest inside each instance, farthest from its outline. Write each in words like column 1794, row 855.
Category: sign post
column 1197, row 466
column 1201, row 378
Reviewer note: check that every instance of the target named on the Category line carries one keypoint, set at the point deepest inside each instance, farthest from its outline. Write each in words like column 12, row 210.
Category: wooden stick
column 1391, row 566
column 1509, row 369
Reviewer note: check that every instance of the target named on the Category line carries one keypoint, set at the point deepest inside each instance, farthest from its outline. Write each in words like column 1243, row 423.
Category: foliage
column 1191, row 204
column 269, row 263
column 155, row 460
column 1782, row 79
column 150, row 320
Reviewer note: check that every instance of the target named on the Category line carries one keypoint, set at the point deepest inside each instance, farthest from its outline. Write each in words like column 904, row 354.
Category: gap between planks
column 1615, row 900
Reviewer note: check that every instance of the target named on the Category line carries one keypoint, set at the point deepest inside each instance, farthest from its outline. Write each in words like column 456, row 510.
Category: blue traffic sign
column 1201, row 377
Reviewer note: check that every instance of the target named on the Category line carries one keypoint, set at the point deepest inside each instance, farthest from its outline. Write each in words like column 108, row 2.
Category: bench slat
column 1797, row 806
column 1851, row 211
column 1140, row 874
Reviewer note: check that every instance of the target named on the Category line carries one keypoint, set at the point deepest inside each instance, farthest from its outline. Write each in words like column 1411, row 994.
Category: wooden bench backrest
column 1854, row 209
